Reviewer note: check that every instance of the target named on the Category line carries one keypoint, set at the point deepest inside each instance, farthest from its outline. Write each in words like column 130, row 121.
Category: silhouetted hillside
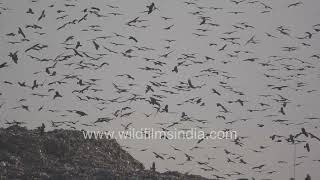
column 65, row 154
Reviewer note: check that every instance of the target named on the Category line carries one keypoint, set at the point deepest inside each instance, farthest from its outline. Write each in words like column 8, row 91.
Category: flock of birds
column 63, row 61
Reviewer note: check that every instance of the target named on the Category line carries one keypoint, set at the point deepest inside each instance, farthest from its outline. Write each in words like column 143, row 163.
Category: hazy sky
column 244, row 69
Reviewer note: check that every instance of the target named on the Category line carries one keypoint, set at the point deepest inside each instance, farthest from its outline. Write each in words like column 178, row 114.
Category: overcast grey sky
column 254, row 62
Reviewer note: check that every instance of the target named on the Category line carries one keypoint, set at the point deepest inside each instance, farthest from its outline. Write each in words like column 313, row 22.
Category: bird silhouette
column 57, row 95
column 14, row 57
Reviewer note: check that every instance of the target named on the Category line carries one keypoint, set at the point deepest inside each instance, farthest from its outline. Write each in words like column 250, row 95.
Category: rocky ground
column 66, row 155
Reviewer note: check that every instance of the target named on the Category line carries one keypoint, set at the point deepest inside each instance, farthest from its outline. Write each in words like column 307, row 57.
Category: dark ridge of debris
column 66, row 155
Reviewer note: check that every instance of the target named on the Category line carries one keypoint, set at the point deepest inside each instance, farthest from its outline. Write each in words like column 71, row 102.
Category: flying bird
column 43, row 15
column 14, row 57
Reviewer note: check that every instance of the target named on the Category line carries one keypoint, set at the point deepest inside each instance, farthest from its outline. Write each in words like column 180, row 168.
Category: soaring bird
column 192, row 86
column 158, row 156
column 14, row 57
column 221, row 106
column 81, row 113
column 304, row 132
column 21, row 32
column 307, row 147
column 35, row 85
column 282, row 111
column 3, row 65
column 295, row 4
column 30, row 11
column 126, row 127
column 189, row 158
column 175, row 69
column 151, row 8
column 216, row 92
column 104, row 119
column 96, row 45
column 42, row 15
column 133, row 38
column 57, row 95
